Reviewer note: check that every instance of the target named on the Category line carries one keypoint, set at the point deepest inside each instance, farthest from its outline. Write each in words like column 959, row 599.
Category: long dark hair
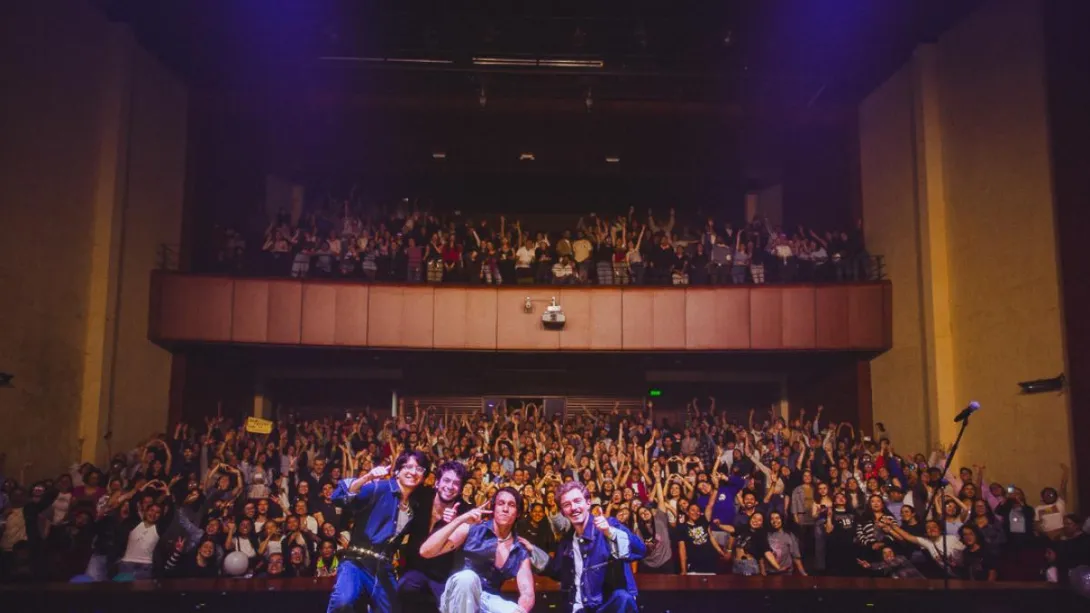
column 515, row 494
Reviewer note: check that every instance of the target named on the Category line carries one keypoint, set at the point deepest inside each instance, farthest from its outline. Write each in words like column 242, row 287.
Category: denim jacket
column 606, row 563
column 374, row 509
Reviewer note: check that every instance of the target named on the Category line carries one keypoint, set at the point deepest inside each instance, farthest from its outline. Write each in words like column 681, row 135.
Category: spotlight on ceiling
column 526, row 157
column 613, row 159
column 439, row 155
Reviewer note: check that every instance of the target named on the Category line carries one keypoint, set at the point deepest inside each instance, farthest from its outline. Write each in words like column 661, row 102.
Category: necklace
column 506, row 538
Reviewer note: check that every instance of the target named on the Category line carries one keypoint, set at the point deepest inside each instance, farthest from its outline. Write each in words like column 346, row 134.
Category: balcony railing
column 343, row 313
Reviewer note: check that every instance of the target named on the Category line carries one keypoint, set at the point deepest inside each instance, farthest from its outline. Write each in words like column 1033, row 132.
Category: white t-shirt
column 60, row 507
column 1051, row 516
column 142, row 541
column 524, row 257
column 562, row 270
column 245, row 546
column 953, row 547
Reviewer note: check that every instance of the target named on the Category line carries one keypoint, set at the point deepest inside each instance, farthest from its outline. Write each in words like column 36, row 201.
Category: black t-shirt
column 905, row 548
column 753, row 543
column 843, row 526
column 699, row 550
column 540, row 535
column 975, row 565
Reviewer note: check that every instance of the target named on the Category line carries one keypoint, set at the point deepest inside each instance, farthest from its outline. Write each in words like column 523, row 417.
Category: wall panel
column 319, row 314
column 351, row 315
column 831, row 315
column 577, row 331
column 481, row 321
column 285, row 312
column 417, row 324
column 449, row 320
column 766, row 318
column 250, row 312
column 385, row 316
column 637, row 312
column 701, row 320
column 606, row 319
column 732, row 318
column 866, row 316
column 797, row 318
column 197, row 308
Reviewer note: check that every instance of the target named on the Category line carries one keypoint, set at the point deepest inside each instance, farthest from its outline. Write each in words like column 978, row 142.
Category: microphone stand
column 942, row 511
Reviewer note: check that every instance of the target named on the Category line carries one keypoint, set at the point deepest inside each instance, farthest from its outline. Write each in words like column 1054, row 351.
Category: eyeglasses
column 416, row 469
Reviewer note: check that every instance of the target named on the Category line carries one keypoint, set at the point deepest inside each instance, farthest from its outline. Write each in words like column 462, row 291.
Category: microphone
column 973, row 407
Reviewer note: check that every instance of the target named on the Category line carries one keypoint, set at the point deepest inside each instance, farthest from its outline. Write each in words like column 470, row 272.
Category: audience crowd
column 415, row 247
column 757, row 496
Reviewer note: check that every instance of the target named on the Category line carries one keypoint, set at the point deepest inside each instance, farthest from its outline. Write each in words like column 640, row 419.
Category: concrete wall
column 965, row 219
column 890, row 223
column 91, row 167
column 153, row 216
column 1005, row 298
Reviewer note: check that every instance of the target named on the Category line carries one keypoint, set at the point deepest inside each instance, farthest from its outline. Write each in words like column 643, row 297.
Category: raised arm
column 453, row 535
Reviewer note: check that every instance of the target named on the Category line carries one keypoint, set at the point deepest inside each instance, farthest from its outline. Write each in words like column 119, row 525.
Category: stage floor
column 658, row 594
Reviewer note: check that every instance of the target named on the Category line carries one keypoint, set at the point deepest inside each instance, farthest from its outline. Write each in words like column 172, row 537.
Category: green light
column 655, row 393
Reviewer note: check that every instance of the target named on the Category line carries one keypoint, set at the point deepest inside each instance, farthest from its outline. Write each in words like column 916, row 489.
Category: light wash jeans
column 463, row 595
column 138, row 572
column 98, row 568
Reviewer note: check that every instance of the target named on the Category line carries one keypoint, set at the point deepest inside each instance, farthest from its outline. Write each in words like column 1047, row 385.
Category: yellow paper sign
column 256, row 425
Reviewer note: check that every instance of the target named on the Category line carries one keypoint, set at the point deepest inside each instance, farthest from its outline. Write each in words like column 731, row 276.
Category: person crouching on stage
column 593, row 559
column 383, row 510
column 424, row 580
column 493, row 554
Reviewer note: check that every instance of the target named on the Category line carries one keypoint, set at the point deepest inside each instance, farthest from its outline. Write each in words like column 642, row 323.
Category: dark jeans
column 619, row 601
column 418, row 592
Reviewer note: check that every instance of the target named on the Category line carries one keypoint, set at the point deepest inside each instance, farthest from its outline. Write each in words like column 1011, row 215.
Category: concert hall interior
column 646, row 305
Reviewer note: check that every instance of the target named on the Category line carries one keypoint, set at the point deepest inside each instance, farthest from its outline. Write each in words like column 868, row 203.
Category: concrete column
column 783, row 409
column 934, row 281
column 263, row 407
column 96, row 399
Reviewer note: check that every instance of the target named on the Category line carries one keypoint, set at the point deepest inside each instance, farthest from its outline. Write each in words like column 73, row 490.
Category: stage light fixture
column 1039, row 386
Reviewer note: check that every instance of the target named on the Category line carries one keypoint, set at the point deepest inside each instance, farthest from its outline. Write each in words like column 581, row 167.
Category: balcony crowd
column 412, row 246
column 760, row 496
